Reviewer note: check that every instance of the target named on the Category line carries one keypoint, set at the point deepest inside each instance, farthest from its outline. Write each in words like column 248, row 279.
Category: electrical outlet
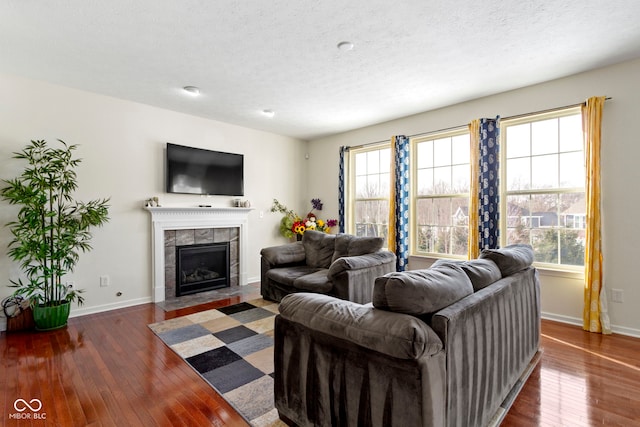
column 617, row 295
column 104, row 281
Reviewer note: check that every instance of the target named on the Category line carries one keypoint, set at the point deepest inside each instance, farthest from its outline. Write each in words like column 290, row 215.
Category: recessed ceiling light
column 269, row 113
column 192, row 90
column 345, row 46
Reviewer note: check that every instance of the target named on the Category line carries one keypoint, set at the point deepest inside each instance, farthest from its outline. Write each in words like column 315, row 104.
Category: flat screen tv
column 198, row 171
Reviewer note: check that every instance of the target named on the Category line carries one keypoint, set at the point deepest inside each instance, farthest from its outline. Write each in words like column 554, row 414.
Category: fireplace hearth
column 202, row 267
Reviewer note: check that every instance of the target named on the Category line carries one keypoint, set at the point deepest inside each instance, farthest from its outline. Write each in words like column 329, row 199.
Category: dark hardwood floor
column 109, row 369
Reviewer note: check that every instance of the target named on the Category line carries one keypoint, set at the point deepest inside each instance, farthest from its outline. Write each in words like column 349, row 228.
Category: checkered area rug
column 232, row 349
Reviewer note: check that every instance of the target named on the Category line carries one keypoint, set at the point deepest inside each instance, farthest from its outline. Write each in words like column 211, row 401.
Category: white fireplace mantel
column 182, row 218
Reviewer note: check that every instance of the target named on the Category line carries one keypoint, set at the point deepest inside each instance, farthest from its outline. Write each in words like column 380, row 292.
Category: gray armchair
column 342, row 265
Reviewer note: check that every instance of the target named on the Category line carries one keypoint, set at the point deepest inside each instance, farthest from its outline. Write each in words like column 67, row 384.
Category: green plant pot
column 48, row 318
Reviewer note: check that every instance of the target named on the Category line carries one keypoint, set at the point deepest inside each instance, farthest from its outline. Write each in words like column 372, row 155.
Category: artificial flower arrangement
column 293, row 225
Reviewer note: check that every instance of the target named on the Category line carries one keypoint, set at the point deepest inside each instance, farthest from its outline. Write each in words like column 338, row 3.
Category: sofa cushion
column 358, row 262
column 419, row 292
column 481, row 272
column 319, row 248
column 284, row 254
column 397, row 335
column 510, row 259
column 350, row 245
column 288, row 275
column 314, row 282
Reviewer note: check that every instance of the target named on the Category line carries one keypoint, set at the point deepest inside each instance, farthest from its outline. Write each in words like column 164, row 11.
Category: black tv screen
column 198, row 171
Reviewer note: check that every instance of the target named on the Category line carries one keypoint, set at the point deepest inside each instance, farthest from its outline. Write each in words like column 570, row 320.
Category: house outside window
column 542, row 186
column 440, row 188
column 369, row 190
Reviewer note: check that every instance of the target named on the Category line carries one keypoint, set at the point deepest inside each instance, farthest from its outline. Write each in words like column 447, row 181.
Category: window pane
column 373, row 186
column 544, row 210
column 361, row 187
column 544, row 137
column 425, row 155
column 424, row 181
column 361, row 164
column 544, row 172
column 460, row 149
column 571, row 133
column 518, row 174
column 385, row 160
column 460, row 177
column 425, row 239
column 545, row 245
column 517, row 212
column 372, row 218
column 442, row 213
column 518, row 141
column 442, row 180
column 572, row 171
column 373, row 161
column 442, row 152
column 384, row 184
column 572, row 247
column 573, row 210
column 442, row 225
column 460, row 222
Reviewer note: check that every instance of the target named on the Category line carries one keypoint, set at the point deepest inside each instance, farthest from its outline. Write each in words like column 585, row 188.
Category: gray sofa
column 437, row 347
column 341, row 265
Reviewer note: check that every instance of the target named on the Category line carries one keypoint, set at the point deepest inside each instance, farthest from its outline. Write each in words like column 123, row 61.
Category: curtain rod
column 461, row 126
column 517, row 116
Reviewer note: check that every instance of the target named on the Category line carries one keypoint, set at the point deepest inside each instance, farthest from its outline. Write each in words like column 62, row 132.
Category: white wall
column 121, row 144
column 561, row 294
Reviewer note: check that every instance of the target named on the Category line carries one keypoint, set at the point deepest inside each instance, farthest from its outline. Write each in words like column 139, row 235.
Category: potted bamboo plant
column 51, row 229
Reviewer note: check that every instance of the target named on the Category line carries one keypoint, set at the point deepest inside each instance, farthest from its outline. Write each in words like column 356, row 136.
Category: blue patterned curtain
column 399, row 212
column 489, row 198
column 341, row 195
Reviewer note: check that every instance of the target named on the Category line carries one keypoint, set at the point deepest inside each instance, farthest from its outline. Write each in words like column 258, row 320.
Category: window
column 441, row 174
column 542, row 180
column 370, row 174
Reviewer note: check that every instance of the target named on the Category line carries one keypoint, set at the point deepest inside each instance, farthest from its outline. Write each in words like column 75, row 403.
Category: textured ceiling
column 246, row 56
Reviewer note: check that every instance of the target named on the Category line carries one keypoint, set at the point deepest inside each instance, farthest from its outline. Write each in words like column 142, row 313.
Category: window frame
column 351, row 199
column 415, row 197
column 504, row 192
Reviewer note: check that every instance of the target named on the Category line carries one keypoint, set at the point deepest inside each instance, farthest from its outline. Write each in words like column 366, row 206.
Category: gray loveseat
column 341, row 265
column 438, row 347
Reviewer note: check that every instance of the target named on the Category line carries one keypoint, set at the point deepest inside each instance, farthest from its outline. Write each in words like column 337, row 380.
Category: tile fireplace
column 174, row 228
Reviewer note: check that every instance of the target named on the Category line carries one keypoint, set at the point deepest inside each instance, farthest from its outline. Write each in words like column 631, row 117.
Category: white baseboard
column 562, row 318
column 76, row 312
column 622, row 330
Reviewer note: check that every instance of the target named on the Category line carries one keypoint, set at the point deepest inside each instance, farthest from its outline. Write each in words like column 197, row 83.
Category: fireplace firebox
column 202, row 268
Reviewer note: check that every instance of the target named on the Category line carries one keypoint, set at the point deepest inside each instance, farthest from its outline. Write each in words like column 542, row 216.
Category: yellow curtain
column 391, row 245
column 595, row 317
column 473, row 241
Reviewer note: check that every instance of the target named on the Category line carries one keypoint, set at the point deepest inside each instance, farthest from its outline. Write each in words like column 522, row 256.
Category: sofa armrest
column 394, row 334
column 359, row 262
column 284, row 254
